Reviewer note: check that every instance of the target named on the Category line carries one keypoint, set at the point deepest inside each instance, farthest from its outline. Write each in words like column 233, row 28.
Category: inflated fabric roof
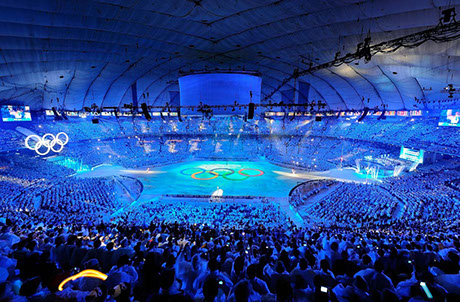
column 71, row 54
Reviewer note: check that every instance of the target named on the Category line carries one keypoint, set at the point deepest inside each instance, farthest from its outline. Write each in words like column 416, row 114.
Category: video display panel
column 12, row 113
column 412, row 155
column 450, row 117
column 219, row 89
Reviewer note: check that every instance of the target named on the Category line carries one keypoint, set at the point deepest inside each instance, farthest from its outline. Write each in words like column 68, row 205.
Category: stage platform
column 248, row 178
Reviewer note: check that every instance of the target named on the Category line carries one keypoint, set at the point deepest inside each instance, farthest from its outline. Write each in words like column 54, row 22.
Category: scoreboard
column 415, row 156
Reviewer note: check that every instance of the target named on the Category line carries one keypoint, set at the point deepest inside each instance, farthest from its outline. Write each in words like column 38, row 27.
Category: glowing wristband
column 87, row 273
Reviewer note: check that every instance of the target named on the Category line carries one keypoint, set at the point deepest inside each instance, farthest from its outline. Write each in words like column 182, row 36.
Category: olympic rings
column 249, row 175
column 235, row 179
column 183, row 171
column 209, row 178
column 47, row 143
column 228, row 173
column 215, row 173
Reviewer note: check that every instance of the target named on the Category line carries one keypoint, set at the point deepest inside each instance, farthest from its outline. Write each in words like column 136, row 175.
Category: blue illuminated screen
column 11, row 113
column 219, row 89
column 450, row 117
column 412, row 155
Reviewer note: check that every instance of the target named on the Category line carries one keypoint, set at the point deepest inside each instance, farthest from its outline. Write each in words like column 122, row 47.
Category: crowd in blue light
column 362, row 242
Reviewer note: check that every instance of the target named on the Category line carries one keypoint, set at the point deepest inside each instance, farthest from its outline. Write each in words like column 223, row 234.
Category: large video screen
column 412, row 155
column 12, row 113
column 219, row 89
column 450, row 117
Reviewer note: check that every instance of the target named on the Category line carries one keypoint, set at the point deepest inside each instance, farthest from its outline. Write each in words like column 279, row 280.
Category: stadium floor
column 226, row 178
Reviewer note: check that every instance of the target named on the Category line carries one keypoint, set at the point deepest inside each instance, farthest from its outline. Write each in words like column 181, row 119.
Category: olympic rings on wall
column 215, row 173
column 48, row 141
column 208, row 178
column 249, row 175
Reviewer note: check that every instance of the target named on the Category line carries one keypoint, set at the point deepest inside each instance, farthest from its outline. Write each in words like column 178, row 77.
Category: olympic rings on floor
column 235, row 179
column 230, row 171
column 199, row 170
column 216, row 172
column 209, row 178
column 249, row 175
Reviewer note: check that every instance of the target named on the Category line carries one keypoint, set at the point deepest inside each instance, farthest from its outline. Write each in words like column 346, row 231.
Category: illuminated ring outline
column 230, row 171
column 235, row 179
column 183, row 173
column 47, row 143
column 209, row 178
column 248, row 175
column 27, row 141
column 60, row 142
column 89, row 273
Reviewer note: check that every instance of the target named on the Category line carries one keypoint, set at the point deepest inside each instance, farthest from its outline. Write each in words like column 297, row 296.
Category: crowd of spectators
column 184, row 261
column 355, row 204
column 357, row 248
column 305, row 191
column 298, row 143
column 228, row 214
column 430, row 198
column 393, row 241
column 418, row 133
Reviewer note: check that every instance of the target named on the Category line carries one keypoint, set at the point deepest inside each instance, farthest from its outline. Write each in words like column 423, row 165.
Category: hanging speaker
column 57, row 117
column 365, row 112
column 251, row 111
column 178, row 115
column 145, row 111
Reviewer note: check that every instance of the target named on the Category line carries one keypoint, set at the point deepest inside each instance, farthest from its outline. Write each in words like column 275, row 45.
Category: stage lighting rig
column 206, row 111
column 450, row 90
column 448, row 16
column 114, row 110
column 128, row 106
column 443, row 32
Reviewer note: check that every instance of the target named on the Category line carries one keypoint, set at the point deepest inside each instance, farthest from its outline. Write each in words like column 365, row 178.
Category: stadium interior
column 238, row 150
